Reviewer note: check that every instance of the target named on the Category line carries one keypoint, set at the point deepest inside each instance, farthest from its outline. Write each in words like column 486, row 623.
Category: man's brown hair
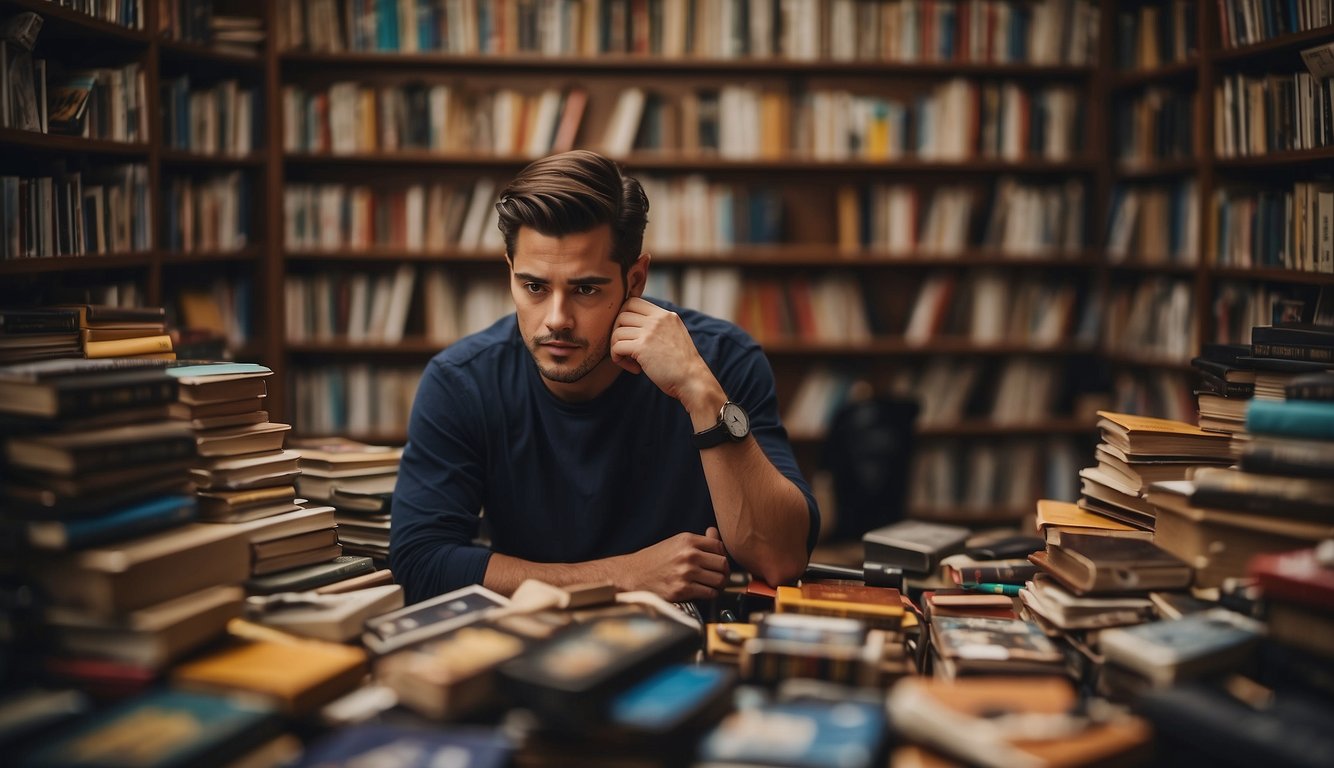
column 575, row 192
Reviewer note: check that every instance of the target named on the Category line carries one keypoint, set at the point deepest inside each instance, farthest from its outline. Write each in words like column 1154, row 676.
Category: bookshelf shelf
column 682, row 164
column 72, row 263
column 1285, row 44
column 1157, row 169
column 1277, row 160
column 1170, row 74
column 194, row 53
column 903, row 348
column 1273, row 275
column 176, row 157
column 650, row 64
column 247, row 254
column 11, row 138
column 60, row 22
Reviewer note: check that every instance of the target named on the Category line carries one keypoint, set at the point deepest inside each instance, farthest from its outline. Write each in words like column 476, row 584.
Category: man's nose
column 558, row 315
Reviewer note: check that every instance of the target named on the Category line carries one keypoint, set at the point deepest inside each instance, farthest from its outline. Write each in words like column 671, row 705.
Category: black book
column 38, row 320
column 1294, row 341
column 309, row 577
column 1311, row 386
column 61, row 388
column 1200, row 725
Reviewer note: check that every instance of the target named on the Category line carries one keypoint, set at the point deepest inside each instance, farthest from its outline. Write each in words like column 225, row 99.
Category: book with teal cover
column 163, row 729
column 1293, row 418
column 123, row 522
column 799, row 734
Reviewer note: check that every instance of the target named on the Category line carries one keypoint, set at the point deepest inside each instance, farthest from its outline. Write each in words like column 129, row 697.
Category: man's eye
column 586, row 290
column 533, row 287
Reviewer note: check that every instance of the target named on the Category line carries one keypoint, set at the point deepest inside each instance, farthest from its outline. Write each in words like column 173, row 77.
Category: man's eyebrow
column 589, row 280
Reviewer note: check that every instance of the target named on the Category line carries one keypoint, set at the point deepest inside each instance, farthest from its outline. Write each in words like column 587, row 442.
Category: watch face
column 735, row 419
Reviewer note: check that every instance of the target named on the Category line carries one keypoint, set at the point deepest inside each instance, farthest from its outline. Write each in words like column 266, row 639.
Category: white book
column 442, row 311
column 399, row 302
column 414, row 205
column 544, row 123
column 483, row 200
column 382, row 295
column 359, row 290
column 619, row 137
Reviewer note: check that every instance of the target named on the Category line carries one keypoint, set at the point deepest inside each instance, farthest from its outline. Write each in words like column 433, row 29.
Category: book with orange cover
column 299, row 675
column 877, row 607
column 1148, row 436
column 138, row 345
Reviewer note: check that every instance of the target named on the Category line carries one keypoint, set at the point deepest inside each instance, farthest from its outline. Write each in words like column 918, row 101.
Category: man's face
column 567, row 294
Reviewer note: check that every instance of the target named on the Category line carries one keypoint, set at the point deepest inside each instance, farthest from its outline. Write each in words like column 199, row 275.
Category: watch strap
column 715, row 435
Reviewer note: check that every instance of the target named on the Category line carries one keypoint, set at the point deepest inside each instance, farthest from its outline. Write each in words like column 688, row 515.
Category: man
column 606, row 436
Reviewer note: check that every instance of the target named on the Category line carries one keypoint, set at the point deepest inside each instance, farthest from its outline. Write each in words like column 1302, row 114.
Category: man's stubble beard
column 594, row 358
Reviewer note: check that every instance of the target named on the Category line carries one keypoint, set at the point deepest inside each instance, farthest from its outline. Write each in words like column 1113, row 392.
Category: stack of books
column 243, row 472
column 1138, row 450
column 1298, row 594
column 1226, row 386
column 110, row 331
column 357, row 480
column 38, row 333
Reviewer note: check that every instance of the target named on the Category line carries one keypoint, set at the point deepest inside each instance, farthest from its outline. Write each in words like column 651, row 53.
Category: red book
column 1296, row 577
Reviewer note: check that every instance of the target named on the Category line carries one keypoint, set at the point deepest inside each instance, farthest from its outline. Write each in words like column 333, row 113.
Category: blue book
column 386, row 28
column 798, row 734
column 163, row 729
column 124, row 522
column 405, row 747
column 1310, row 419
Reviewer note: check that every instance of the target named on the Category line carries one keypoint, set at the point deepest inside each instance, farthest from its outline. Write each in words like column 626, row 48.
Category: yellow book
column 1144, row 436
column 1057, row 516
column 300, row 675
column 1133, row 424
column 121, row 347
column 878, row 607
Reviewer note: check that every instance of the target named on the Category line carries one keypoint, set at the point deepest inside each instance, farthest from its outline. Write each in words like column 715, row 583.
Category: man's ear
column 636, row 278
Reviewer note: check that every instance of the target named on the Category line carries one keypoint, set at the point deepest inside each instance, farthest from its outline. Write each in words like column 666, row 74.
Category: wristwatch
column 733, row 424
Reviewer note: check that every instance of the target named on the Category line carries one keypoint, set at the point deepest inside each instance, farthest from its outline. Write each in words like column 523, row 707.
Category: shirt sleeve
column 749, row 380
column 438, row 498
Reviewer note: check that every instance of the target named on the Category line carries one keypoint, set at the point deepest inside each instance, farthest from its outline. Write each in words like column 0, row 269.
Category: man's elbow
column 781, row 569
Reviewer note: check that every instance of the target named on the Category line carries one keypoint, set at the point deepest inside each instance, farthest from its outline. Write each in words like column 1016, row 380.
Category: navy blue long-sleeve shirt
column 561, row 482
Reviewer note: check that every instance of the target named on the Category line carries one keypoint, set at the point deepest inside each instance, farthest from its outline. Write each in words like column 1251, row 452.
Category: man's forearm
column 504, row 573
column 762, row 516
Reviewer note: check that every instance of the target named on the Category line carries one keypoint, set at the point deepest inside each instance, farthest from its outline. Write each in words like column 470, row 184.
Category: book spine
column 1293, row 352
column 93, row 400
column 93, row 459
column 123, row 347
column 22, row 322
column 1313, row 391
column 315, row 579
column 1302, row 460
column 1295, row 418
column 119, row 524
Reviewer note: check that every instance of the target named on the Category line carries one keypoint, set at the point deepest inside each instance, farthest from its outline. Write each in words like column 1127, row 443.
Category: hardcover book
column 1057, row 517
column 799, row 734
column 1299, row 577
column 1091, row 564
column 1193, row 646
column 878, row 607
column 337, row 618
column 1145, row 436
column 454, row 675
column 430, row 618
column 992, row 646
column 913, row 545
column 299, row 675
column 406, row 747
column 162, row 729
column 309, row 576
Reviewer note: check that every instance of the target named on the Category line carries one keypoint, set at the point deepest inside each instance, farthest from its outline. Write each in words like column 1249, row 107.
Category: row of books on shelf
column 126, row 13
column 1276, row 228
column 1023, row 220
column 1155, row 224
column 101, row 211
column 1247, row 22
column 224, row 119
column 1050, row 32
column 1016, row 392
column 108, row 103
column 1157, row 124
column 695, row 215
column 982, row 479
column 1152, row 319
column 356, row 307
column 1239, row 307
column 1152, row 35
column 197, row 21
column 1260, row 115
column 958, row 120
column 353, row 399
column 207, row 214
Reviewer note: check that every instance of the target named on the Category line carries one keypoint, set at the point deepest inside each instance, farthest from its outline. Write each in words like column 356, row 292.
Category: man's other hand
column 685, row 567
column 651, row 340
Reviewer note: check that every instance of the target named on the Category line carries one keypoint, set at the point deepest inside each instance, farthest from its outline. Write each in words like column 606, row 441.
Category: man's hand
column 651, row 340
column 685, row 567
